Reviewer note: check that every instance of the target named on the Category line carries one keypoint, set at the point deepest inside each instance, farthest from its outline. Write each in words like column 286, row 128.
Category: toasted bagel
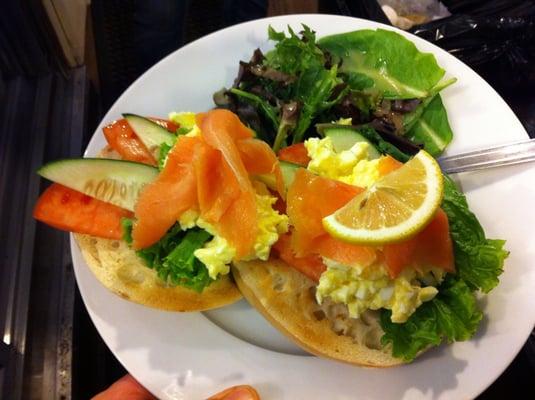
column 286, row 298
column 120, row 270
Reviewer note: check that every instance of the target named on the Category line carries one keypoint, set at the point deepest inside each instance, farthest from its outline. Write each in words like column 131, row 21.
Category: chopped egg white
column 372, row 288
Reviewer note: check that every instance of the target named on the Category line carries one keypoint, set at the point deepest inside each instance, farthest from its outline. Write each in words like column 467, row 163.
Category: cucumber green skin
column 149, row 132
column 345, row 138
column 117, row 182
column 288, row 171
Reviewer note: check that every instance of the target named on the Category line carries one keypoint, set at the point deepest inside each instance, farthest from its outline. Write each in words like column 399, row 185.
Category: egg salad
column 349, row 166
column 218, row 253
column 371, row 288
column 362, row 288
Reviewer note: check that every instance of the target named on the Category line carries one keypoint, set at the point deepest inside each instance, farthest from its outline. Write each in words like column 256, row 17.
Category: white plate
column 189, row 356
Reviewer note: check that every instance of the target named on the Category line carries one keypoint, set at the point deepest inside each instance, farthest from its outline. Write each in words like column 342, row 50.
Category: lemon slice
column 394, row 208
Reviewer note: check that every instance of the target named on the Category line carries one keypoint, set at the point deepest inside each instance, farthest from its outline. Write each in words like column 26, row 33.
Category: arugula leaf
column 313, row 89
column 172, row 256
column 452, row 315
column 393, row 63
column 293, row 54
column 478, row 260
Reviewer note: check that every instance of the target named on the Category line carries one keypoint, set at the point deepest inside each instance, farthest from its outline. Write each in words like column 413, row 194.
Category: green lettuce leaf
column 162, row 157
column 270, row 112
column 478, row 260
column 452, row 315
column 382, row 145
column 432, row 128
column 172, row 256
column 394, row 64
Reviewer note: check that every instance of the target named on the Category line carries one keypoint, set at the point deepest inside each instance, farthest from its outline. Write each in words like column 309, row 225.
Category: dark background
column 49, row 111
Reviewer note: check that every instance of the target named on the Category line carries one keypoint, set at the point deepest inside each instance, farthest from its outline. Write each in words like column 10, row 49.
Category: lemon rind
column 408, row 228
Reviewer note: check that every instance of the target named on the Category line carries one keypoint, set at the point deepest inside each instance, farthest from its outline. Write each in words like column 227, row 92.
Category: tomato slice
column 241, row 392
column 124, row 141
column 69, row 210
column 167, row 124
column 296, row 154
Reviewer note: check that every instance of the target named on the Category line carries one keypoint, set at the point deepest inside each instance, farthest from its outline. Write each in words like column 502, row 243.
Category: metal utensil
column 505, row 154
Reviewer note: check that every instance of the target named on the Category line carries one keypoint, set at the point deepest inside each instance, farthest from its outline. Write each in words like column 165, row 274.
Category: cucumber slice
column 113, row 181
column 288, row 174
column 345, row 138
column 149, row 132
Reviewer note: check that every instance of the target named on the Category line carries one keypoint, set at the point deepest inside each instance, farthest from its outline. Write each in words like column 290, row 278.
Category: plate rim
column 151, row 70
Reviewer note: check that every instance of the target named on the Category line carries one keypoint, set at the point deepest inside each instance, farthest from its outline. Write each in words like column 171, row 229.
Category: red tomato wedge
column 310, row 265
column 174, row 191
column 72, row 211
column 431, row 247
column 124, row 141
column 258, row 159
column 242, row 392
column 296, row 154
column 165, row 123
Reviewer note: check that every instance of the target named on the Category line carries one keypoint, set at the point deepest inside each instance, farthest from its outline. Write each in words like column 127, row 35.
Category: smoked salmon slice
column 431, row 247
column 217, row 187
column 174, row 191
column 258, row 158
column 221, row 129
column 310, row 265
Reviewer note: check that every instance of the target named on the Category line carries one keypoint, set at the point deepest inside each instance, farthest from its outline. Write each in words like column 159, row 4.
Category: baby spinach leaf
column 393, row 63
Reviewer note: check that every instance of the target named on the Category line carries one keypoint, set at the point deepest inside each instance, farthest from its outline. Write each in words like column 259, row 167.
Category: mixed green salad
column 379, row 84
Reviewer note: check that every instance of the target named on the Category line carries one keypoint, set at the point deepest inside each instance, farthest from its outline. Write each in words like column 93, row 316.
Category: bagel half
column 286, row 298
column 120, row 270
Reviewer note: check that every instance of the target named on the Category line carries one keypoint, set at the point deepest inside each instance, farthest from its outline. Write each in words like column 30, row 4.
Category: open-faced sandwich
column 317, row 183
column 161, row 215
column 383, row 258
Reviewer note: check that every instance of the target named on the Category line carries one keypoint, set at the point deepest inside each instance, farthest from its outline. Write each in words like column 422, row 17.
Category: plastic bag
column 508, row 42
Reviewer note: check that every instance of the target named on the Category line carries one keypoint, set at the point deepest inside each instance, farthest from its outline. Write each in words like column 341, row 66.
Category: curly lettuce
column 172, row 256
column 453, row 314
